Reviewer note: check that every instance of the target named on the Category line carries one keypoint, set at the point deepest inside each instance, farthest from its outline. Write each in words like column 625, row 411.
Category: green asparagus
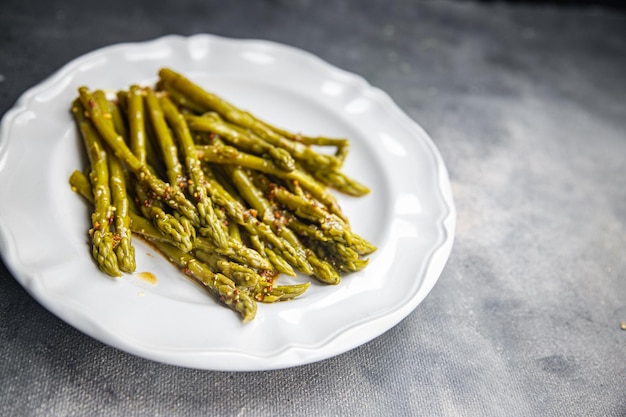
column 119, row 197
column 103, row 240
column 222, row 287
column 209, row 221
column 171, row 195
column 182, row 85
column 232, row 200
column 241, row 138
column 232, row 156
column 136, row 122
column 169, row 150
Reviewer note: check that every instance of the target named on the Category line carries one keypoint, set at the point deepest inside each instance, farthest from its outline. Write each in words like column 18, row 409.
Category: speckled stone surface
column 526, row 104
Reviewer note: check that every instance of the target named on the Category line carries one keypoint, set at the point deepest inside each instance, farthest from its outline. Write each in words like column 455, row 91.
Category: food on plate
column 230, row 199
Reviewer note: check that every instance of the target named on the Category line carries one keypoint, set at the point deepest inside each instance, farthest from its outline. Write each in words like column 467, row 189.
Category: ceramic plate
column 409, row 214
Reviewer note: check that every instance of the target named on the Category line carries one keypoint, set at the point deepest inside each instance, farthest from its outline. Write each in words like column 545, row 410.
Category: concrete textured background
column 525, row 103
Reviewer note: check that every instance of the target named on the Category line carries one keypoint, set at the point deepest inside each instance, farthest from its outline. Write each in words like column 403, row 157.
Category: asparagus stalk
column 178, row 230
column 261, row 287
column 240, row 274
column 342, row 145
column 209, row 220
column 119, row 197
column 174, row 81
column 230, row 155
column 169, row 151
column 320, row 269
column 102, row 239
column 250, row 227
column 125, row 251
column 171, row 195
column 222, row 287
column 238, row 213
column 136, row 122
column 236, row 251
column 241, row 138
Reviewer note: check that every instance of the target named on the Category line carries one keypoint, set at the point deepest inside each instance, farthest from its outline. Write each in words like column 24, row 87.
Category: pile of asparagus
column 230, row 199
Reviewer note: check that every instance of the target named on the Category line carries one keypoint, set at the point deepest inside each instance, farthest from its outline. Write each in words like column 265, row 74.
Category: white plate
column 409, row 214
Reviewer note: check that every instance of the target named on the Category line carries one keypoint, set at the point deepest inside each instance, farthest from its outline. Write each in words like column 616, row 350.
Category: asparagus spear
column 342, row 144
column 119, row 197
column 142, row 226
column 172, row 196
column 241, row 138
column 262, row 288
column 136, row 122
column 321, row 270
column 181, row 100
column 230, row 155
column 125, row 251
column 263, row 291
column 280, row 263
column 223, row 288
column 175, row 81
column 240, row 274
column 238, row 213
column 102, row 239
column 300, row 226
column 169, row 151
column 299, row 205
column 178, row 230
column 282, row 292
column 209, row 221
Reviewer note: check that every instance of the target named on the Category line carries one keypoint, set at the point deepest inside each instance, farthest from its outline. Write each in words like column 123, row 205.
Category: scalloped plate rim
column 284, row 357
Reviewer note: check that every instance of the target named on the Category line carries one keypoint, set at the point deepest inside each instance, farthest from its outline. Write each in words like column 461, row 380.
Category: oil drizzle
column 148, row 277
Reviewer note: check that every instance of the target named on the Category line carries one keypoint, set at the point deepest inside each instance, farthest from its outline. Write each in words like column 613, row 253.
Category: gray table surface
column 526, row 104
